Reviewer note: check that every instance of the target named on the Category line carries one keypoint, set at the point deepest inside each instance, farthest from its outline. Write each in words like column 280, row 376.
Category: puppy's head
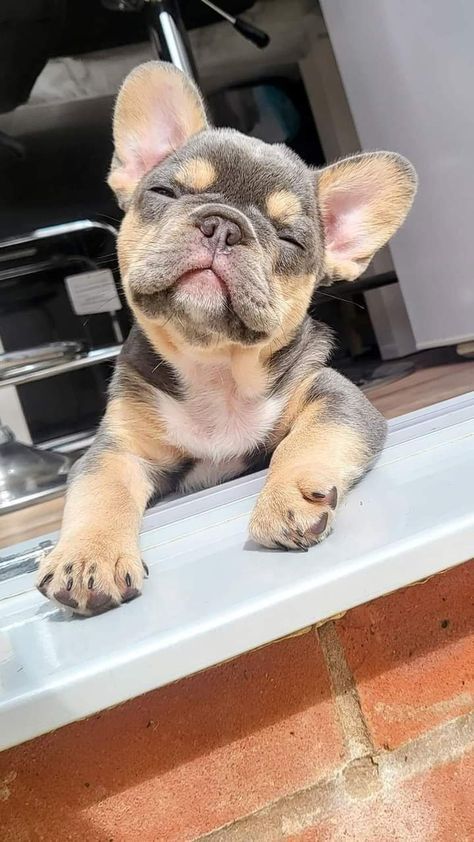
column 224, row 236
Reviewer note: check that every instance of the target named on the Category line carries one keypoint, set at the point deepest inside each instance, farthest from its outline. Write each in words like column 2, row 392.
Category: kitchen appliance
column 63, row 319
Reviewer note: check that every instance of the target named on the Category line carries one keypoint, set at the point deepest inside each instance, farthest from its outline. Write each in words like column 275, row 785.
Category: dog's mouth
column 203, row 298
column 205, row 294
column 199, row 292
column 204, row 281
column 194, row 272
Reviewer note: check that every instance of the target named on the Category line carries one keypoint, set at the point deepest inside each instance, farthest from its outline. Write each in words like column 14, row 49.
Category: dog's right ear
column 158, row 108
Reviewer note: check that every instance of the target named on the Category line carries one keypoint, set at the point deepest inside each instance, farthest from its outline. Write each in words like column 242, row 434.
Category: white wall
column 408, row 71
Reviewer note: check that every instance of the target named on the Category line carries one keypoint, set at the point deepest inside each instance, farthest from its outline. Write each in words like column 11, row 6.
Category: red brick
column 412, row 655
column 182, row 760
column 437, row 806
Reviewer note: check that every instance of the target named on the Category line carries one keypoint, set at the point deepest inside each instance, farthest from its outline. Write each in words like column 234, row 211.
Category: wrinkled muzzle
column 207, row 269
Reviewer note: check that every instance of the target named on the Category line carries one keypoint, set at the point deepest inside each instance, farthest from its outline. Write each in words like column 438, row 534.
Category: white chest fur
column 215, row 421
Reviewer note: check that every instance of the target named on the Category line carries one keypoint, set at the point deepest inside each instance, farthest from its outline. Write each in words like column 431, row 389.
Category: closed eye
column 163, row 191
column 288, row 238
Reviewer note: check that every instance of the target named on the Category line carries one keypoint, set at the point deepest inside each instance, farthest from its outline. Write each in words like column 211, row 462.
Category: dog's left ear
column 157, row 110
column 362, row 200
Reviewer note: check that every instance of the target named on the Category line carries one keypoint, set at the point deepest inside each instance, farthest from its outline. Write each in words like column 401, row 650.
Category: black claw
column 332, row 497
column 128, row 580
column 90, row 583
column 68, row 568
column 290, row 515
column 300, row 545
column 45, row 580
column 145, row 567
column 295, row 536
column 281, row 546
column 69, row 584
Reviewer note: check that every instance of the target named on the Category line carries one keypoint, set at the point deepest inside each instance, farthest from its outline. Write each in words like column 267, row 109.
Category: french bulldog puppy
column 223, row 242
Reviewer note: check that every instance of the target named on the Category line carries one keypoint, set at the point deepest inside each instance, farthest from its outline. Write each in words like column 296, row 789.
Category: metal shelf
column 98, row 355
column 66, row 444
column 33, row 499
column 70, row 443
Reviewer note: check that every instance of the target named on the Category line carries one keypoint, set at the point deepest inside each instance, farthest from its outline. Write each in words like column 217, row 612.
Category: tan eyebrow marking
column 283, row 206
column 197, row 173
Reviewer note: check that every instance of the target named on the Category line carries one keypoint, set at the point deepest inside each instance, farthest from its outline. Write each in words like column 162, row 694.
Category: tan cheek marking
column 283, row 206
column 130, row 235
column 198, row 174
column 294, row 295
column 137, row 240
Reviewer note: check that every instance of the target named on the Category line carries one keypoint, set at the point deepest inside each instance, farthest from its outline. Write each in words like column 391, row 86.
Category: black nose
column 221, row 232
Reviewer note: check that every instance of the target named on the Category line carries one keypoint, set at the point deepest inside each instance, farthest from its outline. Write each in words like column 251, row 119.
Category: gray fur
column 168, row 482
column 248, row 172
column 306, row 353
column 138, row 361
column 245, row 278
column 346, row 404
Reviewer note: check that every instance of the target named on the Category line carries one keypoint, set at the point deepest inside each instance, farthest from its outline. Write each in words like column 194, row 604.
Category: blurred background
column 326, row 78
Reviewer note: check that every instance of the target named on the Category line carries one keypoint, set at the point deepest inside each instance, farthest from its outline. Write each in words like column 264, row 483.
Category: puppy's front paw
column 90, row 576
column 293, row 516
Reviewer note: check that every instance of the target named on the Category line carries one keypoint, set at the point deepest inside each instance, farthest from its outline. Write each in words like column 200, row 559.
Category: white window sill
column 212, row 594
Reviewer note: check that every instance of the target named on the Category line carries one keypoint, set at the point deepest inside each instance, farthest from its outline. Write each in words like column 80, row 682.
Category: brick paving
column 362, row 729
